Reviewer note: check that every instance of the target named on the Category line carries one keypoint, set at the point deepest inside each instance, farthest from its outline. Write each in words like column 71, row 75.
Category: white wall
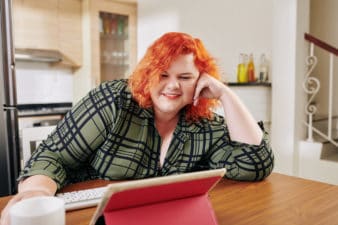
column 227, row 27
column 303, row 20
column 291, row 20
column 283, row 94
column 38, row 82
column 230, row 27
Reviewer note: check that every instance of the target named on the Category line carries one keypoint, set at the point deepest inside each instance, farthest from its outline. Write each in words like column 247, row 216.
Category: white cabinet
column 257, row 98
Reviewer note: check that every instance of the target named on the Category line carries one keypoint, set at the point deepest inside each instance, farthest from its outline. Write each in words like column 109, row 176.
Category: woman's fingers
column 207, row 87
column 16, row 198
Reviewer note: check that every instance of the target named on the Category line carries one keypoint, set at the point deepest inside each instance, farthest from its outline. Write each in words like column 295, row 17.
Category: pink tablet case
column 184, row 203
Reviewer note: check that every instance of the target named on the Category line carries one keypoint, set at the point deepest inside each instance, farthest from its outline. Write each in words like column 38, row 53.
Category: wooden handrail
column 321, row 44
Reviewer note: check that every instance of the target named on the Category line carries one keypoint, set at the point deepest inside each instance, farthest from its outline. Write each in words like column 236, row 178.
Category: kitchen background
column 81, row 32
column 41, row 83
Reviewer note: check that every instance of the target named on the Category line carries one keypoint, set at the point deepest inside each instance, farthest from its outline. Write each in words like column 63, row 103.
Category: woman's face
column 176, row 86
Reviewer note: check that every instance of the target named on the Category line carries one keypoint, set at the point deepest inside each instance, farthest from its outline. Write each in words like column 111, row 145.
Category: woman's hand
column 208, row 87
column 16, row 198
column 37, row 185
column 241, row 124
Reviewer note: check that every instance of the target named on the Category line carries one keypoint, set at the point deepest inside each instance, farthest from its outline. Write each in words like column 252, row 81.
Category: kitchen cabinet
column 35, row 24
column 112, row 39
column 70, row 30
column 49, row 25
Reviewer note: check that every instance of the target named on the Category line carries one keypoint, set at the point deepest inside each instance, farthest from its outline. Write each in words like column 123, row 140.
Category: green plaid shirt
column 108, row 136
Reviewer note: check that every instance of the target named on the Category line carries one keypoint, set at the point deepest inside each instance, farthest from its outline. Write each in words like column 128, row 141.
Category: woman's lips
column 171, row 95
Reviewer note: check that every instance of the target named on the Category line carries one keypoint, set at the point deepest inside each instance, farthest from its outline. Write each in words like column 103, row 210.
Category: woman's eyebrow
column 186, row 73
column 180, row 74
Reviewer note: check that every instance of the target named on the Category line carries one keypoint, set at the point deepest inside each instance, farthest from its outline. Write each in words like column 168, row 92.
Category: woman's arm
column 243, row 147
column 75, row 139
column 241, row 124
column 70, row 145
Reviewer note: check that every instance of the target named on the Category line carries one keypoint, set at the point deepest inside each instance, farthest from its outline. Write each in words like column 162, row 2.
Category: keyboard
column 82, row 199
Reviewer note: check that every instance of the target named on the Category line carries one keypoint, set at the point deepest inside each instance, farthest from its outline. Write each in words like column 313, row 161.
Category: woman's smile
column 171, row 96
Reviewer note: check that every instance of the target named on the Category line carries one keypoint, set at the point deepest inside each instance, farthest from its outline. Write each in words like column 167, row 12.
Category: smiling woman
column 157, row 123
column 165, row 53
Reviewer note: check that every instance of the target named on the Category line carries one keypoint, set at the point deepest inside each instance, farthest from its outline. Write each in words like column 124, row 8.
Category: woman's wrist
column 226, row 92
column 37, row 183
column 36, row 190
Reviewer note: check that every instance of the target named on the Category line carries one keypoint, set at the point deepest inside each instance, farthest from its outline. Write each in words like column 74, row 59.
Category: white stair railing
column 311, row 86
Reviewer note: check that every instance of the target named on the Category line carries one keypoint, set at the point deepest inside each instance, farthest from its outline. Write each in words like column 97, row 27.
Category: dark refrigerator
column 9, row 135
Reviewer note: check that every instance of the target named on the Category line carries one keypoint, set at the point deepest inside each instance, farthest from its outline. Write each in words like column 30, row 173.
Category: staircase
column 329, row 151
column 318, row 154
column 321, row 125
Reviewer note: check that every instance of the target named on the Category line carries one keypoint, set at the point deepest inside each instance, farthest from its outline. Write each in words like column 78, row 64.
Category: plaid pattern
column 108, row 136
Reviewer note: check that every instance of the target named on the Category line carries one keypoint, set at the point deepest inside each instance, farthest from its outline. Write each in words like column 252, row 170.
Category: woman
column 158, row 122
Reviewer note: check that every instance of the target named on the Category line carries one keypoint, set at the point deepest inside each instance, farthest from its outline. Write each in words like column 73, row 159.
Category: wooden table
column 279, row 199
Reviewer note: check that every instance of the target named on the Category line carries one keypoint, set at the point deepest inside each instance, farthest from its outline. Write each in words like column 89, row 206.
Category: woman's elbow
column 252, row 168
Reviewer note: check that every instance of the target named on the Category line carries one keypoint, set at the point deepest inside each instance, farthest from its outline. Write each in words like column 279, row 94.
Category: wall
column 230, row 27
column 227, row 27
column 324, row 19
column 290, row 21
column 283, row 91
column 303, row 24
column 43, row 83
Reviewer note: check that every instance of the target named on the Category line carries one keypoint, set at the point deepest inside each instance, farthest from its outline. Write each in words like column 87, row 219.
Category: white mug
column 42, row 210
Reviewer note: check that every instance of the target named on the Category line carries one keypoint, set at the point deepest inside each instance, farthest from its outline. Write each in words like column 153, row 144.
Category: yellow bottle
column 242, row 70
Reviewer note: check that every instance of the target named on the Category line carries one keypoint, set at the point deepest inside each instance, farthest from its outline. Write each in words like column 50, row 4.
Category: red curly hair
column 158, row 59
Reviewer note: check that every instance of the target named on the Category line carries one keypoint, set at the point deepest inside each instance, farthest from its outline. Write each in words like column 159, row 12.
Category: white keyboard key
column 82, row 199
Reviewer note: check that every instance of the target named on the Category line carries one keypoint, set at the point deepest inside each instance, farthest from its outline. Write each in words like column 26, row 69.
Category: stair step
column 320, row 139
column 329, row 152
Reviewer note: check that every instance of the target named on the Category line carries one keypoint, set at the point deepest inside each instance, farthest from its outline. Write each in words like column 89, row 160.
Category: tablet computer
column 173, row 199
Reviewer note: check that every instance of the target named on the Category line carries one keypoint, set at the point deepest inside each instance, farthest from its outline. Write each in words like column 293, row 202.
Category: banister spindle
column 329, row 127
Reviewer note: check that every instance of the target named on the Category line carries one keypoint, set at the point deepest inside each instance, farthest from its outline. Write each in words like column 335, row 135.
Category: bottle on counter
column 263, row 69
column 113, row 24
column 241, row 69
column 120, row 26
column 106, row 23
column 251, row 69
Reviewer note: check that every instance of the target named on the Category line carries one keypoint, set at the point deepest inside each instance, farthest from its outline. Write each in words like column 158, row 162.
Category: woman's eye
column 163, row 75
column 185, row 78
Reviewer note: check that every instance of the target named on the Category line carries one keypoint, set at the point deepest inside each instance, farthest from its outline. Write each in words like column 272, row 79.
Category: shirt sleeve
column 77, row 135
column 243, row 161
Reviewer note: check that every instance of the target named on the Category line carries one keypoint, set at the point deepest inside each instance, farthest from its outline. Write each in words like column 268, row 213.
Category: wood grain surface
column 279, row 199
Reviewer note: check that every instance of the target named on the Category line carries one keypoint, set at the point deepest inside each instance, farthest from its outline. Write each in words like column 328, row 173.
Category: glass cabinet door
column 114, row 46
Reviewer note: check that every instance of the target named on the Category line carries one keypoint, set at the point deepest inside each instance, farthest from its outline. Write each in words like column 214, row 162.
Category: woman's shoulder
column 114, row 92
column 119, row 93
column 115, row 89
column 120, row 85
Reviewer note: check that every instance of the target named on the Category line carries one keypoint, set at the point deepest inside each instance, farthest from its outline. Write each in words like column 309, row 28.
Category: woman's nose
column 173, row 83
